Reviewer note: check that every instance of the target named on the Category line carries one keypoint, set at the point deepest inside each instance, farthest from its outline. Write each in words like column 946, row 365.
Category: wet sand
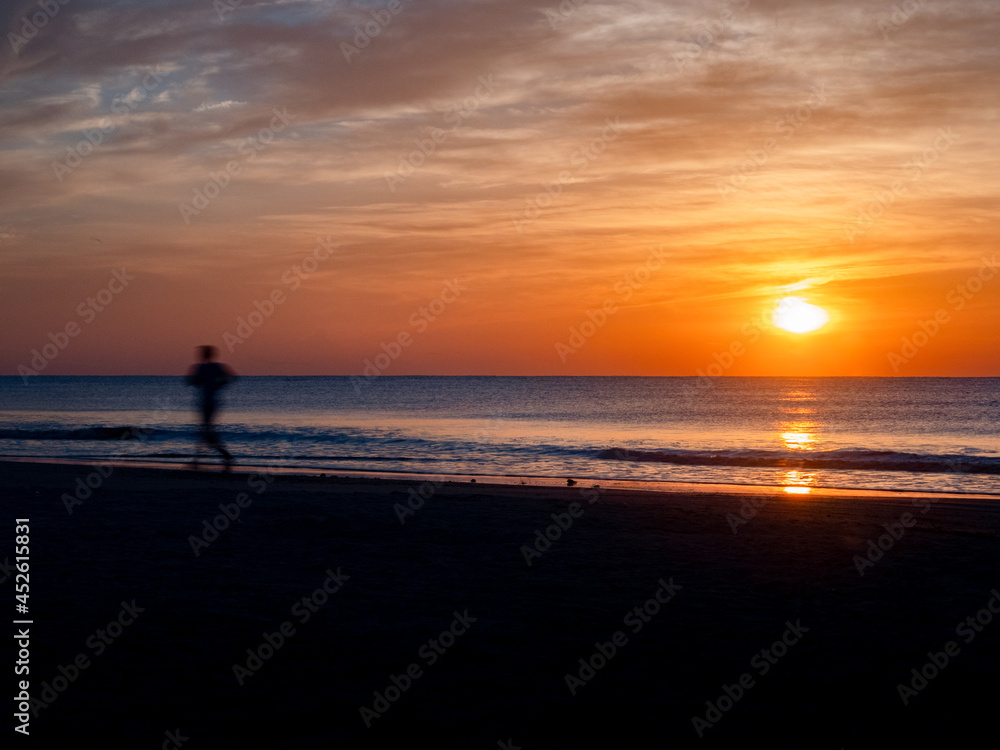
column 375, row 617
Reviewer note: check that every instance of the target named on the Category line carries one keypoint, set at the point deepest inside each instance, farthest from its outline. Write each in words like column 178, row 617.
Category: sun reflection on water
column 797, row 482
column 797, row 438
column 797, row 435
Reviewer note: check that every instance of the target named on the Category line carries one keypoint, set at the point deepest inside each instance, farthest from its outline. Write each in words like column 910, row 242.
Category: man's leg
column 212, row 437
column 204, row 433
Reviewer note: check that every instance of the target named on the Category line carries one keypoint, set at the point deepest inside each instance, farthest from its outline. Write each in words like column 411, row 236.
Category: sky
column 499, row 187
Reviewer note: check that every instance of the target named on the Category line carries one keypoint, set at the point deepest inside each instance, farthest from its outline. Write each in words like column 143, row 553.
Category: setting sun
column 795, row 315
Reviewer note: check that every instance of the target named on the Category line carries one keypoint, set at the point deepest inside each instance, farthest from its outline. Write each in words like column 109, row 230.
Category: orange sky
column 465, row 184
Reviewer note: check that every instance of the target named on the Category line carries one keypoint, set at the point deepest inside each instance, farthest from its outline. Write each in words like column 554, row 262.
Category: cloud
column 228, row 104
column 180, row 90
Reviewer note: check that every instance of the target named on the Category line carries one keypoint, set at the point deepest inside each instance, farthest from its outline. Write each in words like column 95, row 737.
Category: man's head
column 207, row 353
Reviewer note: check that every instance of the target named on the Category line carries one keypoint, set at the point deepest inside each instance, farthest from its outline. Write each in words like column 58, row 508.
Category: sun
column 795, row 315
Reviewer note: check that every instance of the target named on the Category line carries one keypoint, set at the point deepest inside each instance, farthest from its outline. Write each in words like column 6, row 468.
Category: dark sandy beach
column 444, row 634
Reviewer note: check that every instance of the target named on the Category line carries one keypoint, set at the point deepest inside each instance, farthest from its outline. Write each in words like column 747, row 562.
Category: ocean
column 907, row 434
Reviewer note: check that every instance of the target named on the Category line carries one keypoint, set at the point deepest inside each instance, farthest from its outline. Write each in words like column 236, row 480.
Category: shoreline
column 494, row 480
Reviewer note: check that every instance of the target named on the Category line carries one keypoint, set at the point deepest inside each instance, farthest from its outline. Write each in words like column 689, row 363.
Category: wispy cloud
column 700, row 89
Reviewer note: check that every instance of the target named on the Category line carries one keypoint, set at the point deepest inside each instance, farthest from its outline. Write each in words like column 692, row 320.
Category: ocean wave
column 228, row 431
column 851, row 459
column 82, row 433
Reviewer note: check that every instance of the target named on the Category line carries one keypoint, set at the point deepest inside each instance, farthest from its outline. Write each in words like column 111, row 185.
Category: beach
column 269, row 610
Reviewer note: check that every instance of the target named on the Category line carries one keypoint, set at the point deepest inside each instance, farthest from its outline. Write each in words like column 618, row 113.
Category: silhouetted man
column 210, row 377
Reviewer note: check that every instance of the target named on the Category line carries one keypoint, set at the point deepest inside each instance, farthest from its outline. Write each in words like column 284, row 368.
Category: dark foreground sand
column 457, row 563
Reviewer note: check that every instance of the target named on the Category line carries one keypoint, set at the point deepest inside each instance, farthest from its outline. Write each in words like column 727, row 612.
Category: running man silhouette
column 210, row 377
